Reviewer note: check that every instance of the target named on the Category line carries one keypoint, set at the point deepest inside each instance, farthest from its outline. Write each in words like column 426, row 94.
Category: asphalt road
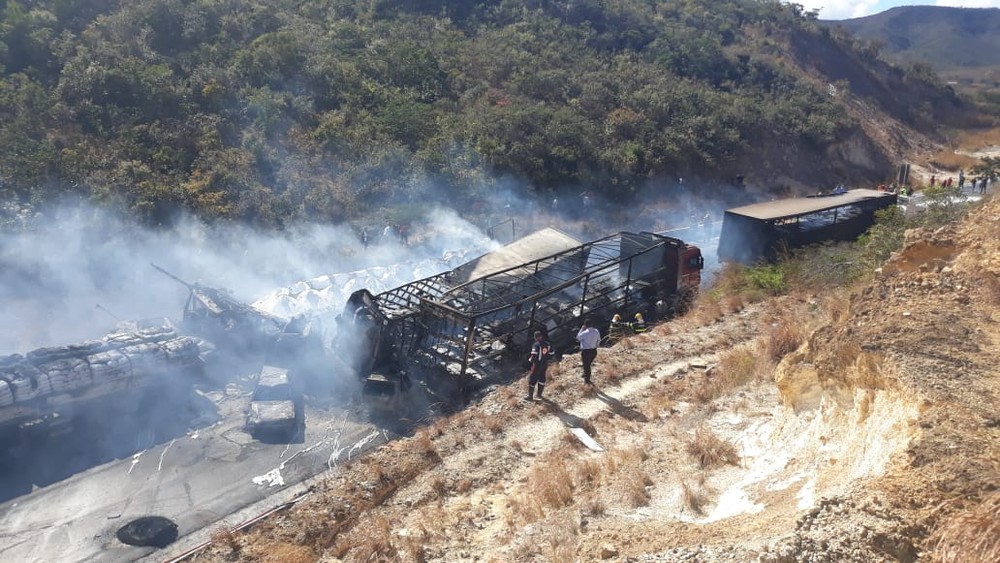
column 66, row 495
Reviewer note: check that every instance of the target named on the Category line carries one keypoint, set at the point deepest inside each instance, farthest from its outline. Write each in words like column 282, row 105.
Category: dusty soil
column 876, row 439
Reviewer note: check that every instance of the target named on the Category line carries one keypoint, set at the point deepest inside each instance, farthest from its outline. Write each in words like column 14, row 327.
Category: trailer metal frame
column 469, row 326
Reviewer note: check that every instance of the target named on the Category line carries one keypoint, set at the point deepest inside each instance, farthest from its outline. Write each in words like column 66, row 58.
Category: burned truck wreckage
column 214, row 315
column 56, row 382
column 464, row 324
column 469, row 320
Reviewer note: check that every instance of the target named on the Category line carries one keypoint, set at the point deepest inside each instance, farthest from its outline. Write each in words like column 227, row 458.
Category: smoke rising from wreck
column 67, row 260
column 58, row 265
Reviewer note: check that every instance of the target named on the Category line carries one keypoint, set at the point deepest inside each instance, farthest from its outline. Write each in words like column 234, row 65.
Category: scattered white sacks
column 6, row 394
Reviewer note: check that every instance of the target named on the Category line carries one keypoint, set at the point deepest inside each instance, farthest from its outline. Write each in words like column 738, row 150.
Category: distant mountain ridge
column 946, row 38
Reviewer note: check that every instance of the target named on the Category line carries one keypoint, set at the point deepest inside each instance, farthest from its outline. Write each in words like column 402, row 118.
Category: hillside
column 278, row 112
column 945, row 38
column 960, row 43
column 811, row 427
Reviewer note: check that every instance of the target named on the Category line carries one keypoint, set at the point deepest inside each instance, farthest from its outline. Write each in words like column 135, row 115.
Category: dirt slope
column 876, row 440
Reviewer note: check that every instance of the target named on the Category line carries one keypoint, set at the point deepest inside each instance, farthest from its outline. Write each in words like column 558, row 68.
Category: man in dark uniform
column 539, row 358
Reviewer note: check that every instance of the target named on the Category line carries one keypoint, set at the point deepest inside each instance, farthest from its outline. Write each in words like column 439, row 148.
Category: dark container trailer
column 759, row 232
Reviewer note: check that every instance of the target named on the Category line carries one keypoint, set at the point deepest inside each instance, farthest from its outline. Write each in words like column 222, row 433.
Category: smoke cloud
column 58, row 265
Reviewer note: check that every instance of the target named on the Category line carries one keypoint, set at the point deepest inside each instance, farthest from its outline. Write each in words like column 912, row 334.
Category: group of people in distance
column 976, row 184
column 589, row 338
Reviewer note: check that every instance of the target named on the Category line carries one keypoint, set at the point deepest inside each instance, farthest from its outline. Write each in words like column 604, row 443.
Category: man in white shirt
column 589, row 338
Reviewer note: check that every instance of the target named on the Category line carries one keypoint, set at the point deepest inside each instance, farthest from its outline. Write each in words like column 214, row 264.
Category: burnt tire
column 148, row 531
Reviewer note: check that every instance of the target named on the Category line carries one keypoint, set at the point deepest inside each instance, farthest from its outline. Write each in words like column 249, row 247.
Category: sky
column 843, row 9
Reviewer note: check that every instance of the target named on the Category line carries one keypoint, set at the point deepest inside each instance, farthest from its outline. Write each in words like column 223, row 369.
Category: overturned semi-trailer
column 470, row 318
column 57, row 382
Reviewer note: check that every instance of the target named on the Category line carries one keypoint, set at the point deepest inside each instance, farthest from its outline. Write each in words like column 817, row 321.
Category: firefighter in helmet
column 638, row 323
column 617, row 326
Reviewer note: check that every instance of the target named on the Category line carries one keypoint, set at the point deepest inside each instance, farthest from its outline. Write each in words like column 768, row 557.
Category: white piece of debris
column 586, row 440
column 272, row 478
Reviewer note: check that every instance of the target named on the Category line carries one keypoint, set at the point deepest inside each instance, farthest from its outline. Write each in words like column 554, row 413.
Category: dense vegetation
column 270, row 111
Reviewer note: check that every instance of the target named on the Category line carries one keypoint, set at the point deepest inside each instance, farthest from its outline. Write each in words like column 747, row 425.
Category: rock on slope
column 928, row 324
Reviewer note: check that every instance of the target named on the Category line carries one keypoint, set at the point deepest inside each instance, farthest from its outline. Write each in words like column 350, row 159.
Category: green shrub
column 767, row 278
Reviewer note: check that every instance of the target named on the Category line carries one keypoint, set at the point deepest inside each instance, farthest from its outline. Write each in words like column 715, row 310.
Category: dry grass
column 549, row 487
column 439, row 486
column 989, row 286
column 551, row 484
column 733, row 303
column 494, row 425
column 634, row 487
column 709, row 451
column 978, row 138
column 694, row 499
column 611, row 369
column 463, row 486
column 595, row 506
column 375, row 472
column 637, row 362
column 659, row 405
column 522, row 509
column 972, row 536
column 423, row 444
column 563, row 540
column 736, row 368
column 836, row 306
column 707, row 310
column 626, row 457
column 283, row 552
column 415, row 550
column 949, row 160
column 588, row 472
column 511, row 395
column 784, row 337
column 228, row 536
column 644, row 339
column 369, row 542
column 661, row 330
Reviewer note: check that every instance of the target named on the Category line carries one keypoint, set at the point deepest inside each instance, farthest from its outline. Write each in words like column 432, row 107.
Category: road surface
column 195, row 469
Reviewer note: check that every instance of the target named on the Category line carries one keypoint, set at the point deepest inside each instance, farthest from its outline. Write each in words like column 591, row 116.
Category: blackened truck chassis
column 467, row 327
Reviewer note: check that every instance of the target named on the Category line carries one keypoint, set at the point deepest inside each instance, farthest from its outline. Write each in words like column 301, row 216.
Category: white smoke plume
column 58, row 265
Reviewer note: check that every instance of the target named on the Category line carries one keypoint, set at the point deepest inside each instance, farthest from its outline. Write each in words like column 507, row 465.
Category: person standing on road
column 589, row 338
column 541, row 350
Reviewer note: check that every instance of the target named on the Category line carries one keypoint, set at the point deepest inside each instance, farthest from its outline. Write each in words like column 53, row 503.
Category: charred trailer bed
column 470, row 327
column 761, row 231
